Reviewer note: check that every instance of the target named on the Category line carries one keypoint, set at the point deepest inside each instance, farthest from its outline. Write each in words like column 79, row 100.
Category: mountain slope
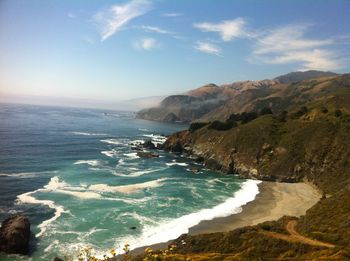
column 212, row 102
column 301, row 76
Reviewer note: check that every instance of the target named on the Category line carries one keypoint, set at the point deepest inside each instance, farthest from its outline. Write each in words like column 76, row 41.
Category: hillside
column 301, row 76
column 306, row 141
column 212, row 102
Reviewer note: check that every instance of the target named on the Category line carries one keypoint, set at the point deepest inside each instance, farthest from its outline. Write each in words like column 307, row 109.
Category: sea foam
column 114, row 141
column 88, row 134
column 136, row 173
column 20, row 175
column 156, row 139
column 110, row 153
column 56, row 186
column 176, row 163
column 27, row 198
column 25, row 175
column 133, row 188
column 93, row 163
column 132, row 155
column 171, row 229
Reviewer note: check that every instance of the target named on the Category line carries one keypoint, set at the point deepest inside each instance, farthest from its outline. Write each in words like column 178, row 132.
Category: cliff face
column 313, row 146
column 212, row 102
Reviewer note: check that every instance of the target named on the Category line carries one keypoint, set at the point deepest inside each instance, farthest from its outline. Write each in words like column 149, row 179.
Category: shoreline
column 274, row 200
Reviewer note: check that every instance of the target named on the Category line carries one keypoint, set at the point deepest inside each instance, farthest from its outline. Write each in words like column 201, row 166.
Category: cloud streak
column 289, row 44
column 207, row 47
column 155, row 29
column 228, row 30
column 118, row 16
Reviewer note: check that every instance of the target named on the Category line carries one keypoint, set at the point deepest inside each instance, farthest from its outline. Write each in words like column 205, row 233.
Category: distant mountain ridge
column 300, row 76
column 212, row 102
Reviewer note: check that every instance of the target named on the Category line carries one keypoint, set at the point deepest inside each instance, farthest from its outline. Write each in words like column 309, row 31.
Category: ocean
column 73, row 173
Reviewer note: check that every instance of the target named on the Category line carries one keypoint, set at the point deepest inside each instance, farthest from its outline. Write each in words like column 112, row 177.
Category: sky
column 104, row 50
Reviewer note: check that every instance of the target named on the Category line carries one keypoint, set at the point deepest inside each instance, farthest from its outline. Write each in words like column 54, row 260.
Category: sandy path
column 295, row 237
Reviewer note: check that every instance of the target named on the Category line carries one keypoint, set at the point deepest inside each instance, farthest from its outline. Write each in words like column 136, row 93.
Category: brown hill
column 213, row 102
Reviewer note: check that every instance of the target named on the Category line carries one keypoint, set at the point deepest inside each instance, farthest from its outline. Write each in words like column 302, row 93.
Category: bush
column 219, row 125
column 282, row 117
column 324, row 110
column 196, row 126
column 338, row 113
column 248, row 116
column 302, row 111
column 234, row 117
column 244, row 117
column 265, row 111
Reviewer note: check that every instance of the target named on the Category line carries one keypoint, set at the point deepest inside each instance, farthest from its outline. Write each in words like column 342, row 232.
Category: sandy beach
column 274, row 201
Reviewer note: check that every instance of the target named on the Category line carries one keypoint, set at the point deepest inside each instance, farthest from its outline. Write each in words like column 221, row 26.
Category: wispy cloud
column 146, row 44
column 312, row 59
column 228, row 30
column 155, row 29
column 289, row 44
column 207, row 47
column 117, row 16
column 72, row 15
column 172, row 14
column 288, row 38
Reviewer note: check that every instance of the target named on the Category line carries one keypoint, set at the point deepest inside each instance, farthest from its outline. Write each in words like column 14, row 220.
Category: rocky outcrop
column 148, row 144
column 146, row 155
column 15, row 235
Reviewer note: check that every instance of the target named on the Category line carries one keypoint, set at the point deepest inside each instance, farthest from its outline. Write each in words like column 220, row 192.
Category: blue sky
column 117, row 50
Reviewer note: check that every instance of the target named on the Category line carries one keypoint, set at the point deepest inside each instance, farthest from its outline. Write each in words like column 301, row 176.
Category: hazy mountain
column 213, row 102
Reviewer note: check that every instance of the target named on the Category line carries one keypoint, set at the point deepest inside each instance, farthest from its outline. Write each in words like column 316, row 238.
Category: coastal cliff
column 306, row 141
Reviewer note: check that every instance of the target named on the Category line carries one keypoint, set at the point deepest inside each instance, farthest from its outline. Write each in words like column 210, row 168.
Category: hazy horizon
column 101, row 53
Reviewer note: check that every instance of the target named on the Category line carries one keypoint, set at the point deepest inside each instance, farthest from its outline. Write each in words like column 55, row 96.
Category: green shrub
column 244, row 117
column 265, row 111
column 197, row 125
column 248, row 116
column 282, row 117
column 338, row 113
column 219, row 125
column 302, row 111
column 324, row 110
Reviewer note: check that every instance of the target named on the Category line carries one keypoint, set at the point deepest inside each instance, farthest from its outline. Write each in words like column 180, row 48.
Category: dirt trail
column 295, row 237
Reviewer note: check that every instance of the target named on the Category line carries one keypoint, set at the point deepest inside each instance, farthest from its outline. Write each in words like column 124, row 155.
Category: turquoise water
column 73, row 172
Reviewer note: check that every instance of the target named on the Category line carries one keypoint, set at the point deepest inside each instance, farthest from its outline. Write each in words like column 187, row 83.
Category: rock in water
column 148, row 144
column 15, row 235
column 146, row 155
